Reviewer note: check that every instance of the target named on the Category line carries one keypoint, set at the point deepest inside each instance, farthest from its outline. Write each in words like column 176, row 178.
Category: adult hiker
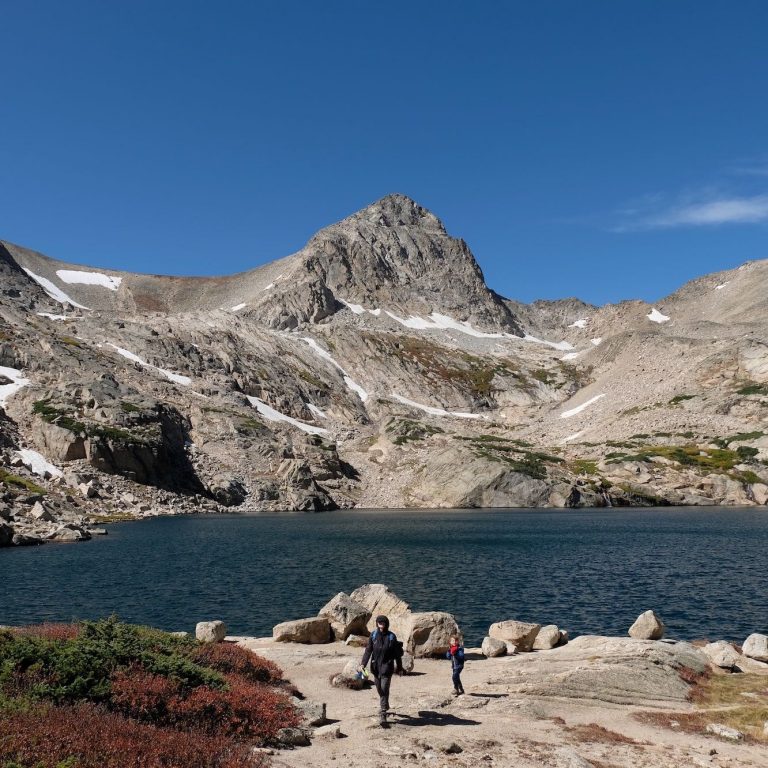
column 385, row 653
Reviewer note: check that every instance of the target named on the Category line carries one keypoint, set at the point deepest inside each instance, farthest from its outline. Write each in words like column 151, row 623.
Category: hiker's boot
column 383, row 719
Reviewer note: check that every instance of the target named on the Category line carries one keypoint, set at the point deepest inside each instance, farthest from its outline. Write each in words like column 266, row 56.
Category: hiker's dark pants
column 457, row 680
column 382, row 688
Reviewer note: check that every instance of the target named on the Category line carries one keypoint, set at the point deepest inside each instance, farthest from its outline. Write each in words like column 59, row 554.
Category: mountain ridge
column 373, row 367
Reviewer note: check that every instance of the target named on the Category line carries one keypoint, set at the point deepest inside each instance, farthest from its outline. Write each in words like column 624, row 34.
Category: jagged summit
column 396, row 210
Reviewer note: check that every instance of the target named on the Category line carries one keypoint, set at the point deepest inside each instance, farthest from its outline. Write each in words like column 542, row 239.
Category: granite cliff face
column 372, row 368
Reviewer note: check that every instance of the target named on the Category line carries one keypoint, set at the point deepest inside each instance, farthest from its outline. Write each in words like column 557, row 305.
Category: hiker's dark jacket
column 383, row 650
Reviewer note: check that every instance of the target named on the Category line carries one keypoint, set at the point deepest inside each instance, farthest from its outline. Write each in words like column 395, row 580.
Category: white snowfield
column 597, row 341
column 271, row 414
column 722, row 285
column 435, row 411
column 237, row 307
column 38, row 464
column 177, row 378
column 348, row 380
column 574, row 436
column 89, row 278
column 580, row 408
column 655, row 316
column 55, row 293
column 17, row 382
column 578, row 324
column 52, row 317
column 570, row 356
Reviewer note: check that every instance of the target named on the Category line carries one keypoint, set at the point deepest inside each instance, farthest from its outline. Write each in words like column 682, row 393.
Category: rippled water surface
column 591, row 571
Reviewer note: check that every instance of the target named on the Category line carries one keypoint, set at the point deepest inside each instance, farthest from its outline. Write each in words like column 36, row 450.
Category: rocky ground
column 602, row 702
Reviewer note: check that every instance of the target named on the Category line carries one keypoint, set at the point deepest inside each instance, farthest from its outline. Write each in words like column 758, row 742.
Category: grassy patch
column 583, row 467
column 741, row 437
column 738, row 700
column 20, row 482
column 127, row 407
column 680, row 398
column 592, row 732
column 707, row 459
column 511, row 452
column 753, row 389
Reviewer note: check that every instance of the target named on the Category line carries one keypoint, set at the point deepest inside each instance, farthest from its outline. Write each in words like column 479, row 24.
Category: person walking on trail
column 456, row 654
column 385, row 653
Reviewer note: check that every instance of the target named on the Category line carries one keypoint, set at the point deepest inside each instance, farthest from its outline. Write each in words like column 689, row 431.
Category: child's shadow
column 428, row 717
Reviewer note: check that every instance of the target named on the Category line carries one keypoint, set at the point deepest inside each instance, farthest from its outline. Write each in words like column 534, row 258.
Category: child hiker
column 456, row 655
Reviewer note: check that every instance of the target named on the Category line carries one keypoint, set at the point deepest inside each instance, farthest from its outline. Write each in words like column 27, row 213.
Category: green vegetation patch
column 511, row 452
column 404, row 431
column 680, row 398
column 583, row 467
column 62, row 418
column 741, row 437
column 20, row 482
column 753, row 389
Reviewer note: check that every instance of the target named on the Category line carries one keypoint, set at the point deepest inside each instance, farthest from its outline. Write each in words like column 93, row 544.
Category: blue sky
column 605, row 150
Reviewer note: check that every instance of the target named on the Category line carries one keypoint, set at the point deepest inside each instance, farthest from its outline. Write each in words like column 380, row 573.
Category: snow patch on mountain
column 17, row 381
column 72, row 276
column 348, row 380
column 580, row 408
column 177, row 378
column 53, row 291
column 435, row 411
column 655, row 316
column 271, row 414
column 38, row 464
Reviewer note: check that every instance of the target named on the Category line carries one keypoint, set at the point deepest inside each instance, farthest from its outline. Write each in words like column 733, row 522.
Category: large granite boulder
column 756, row 647
column 69, row 532
column 722, row 654
column 647, row 626
column 429, row 633
column 210, row 631
column 380, row 599
column 492, row 647
column 310, row 631
column 547, row 638
column 346, row 616
column 517, row 633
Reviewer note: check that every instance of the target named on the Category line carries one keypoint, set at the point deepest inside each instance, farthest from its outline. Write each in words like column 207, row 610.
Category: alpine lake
column 590, row 571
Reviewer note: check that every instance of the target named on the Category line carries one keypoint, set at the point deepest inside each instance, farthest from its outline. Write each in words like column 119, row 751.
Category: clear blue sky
column 605, row 150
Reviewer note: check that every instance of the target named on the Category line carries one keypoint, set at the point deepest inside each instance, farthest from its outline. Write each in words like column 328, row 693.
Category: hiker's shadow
column 428, row 717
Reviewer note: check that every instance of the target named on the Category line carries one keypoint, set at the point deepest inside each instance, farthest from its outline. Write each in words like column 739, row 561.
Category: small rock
column 26, row 540
column 313, row 712
column 725, row 732
column 449, row 748
column 332, row 731
column 293, row 737
column 408, row 663
column 211, row 631
column 647, row 626
column 357, row 641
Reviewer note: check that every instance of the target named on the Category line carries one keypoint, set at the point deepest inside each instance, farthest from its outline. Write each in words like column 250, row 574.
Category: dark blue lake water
column 590, row 571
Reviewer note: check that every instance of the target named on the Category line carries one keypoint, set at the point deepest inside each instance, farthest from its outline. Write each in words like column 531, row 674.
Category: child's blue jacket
column 457, row 659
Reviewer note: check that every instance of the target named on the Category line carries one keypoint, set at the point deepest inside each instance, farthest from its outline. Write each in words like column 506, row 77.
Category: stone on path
column 357, row 641
column 330, row 732
column 210, row 631
column 725, row 732
column 429, row 633
column 647, row 626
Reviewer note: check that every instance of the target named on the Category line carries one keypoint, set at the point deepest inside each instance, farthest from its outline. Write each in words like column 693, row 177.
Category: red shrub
column 46, row 736
column 232, row 659
column 49, row 631
column 249, row 710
